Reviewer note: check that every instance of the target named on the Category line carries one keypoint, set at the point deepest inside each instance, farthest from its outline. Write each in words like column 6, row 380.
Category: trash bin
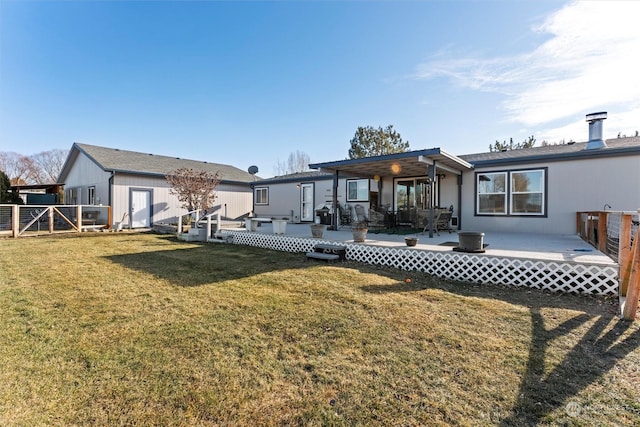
column 323, row 214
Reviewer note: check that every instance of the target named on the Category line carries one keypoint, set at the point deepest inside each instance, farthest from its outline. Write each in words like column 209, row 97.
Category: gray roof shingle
column 551, row 152
column 114, row 159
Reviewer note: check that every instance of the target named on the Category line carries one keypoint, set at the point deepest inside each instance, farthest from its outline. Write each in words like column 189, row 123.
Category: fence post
column 15, row 220
column 50, row 214
column 630, row 305
column 79, row 217
column 602, row 232
column 579, row 224
column 624, row 254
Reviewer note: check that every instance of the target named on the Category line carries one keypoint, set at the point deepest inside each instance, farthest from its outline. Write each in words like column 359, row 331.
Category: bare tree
column 49, row 165
column 298, row 161
column 41, row 168
column 194, row 188
column 19, row 168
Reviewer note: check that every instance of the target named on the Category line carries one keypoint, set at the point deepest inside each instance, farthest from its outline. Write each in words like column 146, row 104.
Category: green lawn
column 140, row 329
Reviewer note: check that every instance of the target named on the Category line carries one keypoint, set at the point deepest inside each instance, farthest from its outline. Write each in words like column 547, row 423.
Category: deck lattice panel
column 539, row 274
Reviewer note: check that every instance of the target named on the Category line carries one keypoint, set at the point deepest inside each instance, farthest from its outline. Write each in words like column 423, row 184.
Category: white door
column 306, row 202
column 140, row 208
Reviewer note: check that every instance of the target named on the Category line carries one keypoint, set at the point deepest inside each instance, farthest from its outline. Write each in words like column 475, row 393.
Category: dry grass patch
column 144, row 330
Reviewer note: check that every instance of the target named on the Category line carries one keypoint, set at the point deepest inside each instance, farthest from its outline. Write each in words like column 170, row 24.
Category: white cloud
column 588, row 64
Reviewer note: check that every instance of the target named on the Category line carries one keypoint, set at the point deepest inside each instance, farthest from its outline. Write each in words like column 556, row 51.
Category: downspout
column 253, row 199
column 460, row 201
column 110, row 195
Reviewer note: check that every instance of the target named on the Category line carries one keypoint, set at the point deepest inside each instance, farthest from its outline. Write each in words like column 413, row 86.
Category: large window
column 262, row 196
column 357, row 190
column 520, row 192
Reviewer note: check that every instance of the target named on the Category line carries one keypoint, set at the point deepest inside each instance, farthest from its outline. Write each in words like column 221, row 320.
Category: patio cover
column 409, row 163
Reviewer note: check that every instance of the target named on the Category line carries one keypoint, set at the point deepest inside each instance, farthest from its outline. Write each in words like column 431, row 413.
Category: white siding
column 578, row 185
column 284, row 199
column 233, row 201
column 83, row 174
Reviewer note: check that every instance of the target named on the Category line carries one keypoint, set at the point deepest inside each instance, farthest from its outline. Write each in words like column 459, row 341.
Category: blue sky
column 248, row 83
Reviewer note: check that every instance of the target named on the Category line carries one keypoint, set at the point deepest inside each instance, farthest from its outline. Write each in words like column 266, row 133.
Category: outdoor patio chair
column 444, row 221
column 424, row 217
column 376, row 219
column 360, row 214
column 345, row 214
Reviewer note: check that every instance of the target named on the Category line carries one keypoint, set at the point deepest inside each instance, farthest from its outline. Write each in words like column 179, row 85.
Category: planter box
column 279, row 226
column 411, row 241
column 470, row 241
column 316, row 230
column 251, row 224
column 359, row 234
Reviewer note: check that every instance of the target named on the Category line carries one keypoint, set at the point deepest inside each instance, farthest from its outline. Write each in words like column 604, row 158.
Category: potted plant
column 359, row 230
column 316, row 230
column 411, row 240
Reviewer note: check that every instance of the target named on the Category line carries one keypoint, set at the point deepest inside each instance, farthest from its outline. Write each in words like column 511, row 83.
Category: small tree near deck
column 196, row 189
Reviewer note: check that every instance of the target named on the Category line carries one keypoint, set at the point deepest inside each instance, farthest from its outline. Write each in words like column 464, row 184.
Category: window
column 357, row 190
column 492, row 193
column 92, row 195
column 517, row 193
column 71, row 196
column 527, row 192
column 262, row 196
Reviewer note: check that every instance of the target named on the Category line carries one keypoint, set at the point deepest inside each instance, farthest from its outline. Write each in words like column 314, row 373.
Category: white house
column 135, row 187
column 537, row 190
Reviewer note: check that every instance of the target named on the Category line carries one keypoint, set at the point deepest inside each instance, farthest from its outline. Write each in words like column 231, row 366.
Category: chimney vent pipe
column 595, row 130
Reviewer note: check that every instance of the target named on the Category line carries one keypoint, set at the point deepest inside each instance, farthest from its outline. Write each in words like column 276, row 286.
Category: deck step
column 324, row 256
column 331, row 249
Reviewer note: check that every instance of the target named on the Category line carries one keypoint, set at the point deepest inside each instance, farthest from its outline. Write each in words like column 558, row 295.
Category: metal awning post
column 334, row 214
column 432, row 179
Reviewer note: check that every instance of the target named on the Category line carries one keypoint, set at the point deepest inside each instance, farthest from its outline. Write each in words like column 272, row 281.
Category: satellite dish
column 253, row 170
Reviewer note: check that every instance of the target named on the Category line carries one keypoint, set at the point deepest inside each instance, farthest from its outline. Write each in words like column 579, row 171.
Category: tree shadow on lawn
column 597, row 351
column 208, row 263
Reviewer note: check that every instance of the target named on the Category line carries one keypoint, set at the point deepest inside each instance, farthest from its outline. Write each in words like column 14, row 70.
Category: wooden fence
column 32, row 220
column 617, row 234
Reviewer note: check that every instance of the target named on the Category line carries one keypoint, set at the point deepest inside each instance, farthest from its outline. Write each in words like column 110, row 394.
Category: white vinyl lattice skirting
column 539, row 274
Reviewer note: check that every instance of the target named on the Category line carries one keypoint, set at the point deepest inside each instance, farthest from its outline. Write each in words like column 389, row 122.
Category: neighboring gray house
column 135, row 187
column 536, row 190
column 294, row 196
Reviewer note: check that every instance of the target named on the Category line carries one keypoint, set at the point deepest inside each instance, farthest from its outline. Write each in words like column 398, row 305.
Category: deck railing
column 617, row 234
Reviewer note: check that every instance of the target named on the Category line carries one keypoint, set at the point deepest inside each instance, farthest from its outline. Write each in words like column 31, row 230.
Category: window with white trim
column 516, row 192
column 92, row 195
column 357, row 190
column 527, row 192
column 262, row 195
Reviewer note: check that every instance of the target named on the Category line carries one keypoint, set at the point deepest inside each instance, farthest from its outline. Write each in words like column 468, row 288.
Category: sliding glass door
column 412, row 194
